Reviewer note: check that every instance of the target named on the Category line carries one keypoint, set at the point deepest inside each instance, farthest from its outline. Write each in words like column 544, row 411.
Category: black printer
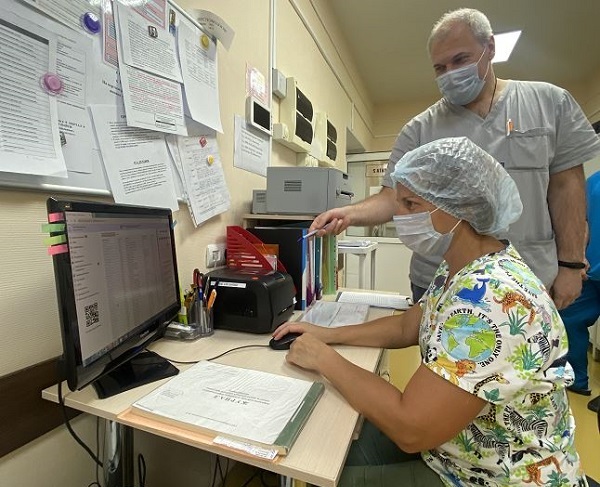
column 252, row 301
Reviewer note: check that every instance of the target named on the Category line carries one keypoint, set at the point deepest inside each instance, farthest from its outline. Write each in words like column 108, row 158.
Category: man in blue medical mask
column 536, row 130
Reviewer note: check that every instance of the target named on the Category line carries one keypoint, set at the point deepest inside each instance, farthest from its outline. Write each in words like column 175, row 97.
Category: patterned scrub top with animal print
column 496, row 333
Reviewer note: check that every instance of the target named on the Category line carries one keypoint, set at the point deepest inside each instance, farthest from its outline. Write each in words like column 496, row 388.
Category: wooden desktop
column 318, row 454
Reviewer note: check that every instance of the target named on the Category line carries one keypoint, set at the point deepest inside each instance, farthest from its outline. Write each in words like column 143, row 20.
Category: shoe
column 594, row 404
column 582, row 392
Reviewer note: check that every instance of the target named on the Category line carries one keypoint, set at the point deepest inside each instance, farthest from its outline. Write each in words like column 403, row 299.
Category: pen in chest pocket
column 509, row 127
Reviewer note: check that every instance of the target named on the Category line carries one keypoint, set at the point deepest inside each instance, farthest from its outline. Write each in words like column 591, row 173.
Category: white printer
column 306, row 190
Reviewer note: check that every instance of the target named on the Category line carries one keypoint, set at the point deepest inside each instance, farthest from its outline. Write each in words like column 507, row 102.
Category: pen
column 310, row 234
column 509, row 127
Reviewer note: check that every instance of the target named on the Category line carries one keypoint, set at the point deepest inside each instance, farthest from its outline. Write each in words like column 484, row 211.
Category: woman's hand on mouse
column 323, row 334
column 307, row 351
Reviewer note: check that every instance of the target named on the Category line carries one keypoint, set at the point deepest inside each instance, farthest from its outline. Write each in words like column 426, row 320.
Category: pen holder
column 202, row 319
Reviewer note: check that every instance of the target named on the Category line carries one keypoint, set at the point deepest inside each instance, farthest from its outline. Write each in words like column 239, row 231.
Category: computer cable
column 215, row 357
column 63, row 408
column 218, row 468
column 141, row 470
column 98, row 449
column 97, row 482
column 252, row 477
column 263, row 481
column 223, row 477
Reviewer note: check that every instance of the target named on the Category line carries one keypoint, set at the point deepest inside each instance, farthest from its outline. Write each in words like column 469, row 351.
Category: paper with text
column 29, row 140
column 378, row 300
column 73, row 66
column 199, row 68
column 136, row 161
column 332, row 314
column 203, row 176
column 67, row 12
column 215, row 26
column 144, row 42
column 251, row 149
column 229, row 400
column 151, row 102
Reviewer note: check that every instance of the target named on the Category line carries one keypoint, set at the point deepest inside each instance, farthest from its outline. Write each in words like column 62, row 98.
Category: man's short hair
column 476, row 20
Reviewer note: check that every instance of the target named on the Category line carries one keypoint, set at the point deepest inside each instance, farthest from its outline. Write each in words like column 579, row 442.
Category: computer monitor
column 117, row 290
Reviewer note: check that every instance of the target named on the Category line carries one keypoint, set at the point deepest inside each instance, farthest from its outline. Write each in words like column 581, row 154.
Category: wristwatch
column 571, row 265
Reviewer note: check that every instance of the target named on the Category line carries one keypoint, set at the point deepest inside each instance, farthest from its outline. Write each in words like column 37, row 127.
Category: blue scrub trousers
column 580, row 315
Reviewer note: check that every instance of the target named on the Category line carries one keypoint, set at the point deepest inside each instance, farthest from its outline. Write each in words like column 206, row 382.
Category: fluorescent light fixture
column 505, row 43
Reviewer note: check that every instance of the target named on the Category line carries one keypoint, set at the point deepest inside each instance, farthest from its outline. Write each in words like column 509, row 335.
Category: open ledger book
column 250, row 406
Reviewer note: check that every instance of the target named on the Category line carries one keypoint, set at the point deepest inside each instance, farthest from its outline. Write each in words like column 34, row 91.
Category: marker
column 211, row 299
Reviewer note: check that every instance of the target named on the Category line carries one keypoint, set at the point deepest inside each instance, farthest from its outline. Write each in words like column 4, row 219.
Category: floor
column 402, row 365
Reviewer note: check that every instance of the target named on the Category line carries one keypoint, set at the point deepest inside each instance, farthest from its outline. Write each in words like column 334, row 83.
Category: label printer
column 306, row 190
column 252, row 301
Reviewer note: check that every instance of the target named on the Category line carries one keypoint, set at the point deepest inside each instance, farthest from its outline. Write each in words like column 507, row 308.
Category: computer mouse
column 284, row 342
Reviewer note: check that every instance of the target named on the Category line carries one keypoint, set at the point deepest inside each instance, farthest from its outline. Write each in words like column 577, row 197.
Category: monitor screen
column 117, row 290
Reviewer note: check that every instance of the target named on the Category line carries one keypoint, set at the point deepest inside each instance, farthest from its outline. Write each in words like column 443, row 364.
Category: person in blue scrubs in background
column 585, row 310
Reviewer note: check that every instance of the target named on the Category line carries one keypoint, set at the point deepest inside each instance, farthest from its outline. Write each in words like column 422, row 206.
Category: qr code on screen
column 91, row 314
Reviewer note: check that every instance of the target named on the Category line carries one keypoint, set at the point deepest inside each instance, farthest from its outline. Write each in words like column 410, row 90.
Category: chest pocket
column 528, row 149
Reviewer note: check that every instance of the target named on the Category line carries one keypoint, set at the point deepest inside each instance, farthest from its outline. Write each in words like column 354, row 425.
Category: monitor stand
column 142, row 369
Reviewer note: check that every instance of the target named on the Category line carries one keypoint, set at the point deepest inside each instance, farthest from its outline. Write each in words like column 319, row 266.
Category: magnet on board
column 52, row 84
column 205, row 41
column 91, row 22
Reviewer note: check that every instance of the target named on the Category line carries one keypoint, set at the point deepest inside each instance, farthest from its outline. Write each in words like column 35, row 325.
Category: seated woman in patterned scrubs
column 488, row 404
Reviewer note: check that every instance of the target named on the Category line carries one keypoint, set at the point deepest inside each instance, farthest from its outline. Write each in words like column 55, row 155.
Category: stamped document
column 244, row 404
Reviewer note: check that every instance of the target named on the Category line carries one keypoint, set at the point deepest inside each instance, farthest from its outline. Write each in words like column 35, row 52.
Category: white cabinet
column 392, row 265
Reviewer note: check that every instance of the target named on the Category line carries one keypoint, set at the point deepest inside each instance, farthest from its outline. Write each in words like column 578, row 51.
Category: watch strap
column 571, row 265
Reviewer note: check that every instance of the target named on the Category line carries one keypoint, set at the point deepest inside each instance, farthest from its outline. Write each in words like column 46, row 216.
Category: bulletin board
column 93, row 183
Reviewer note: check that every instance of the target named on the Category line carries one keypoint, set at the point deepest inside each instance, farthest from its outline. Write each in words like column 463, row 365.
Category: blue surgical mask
column 461, row 86
column 417, row 232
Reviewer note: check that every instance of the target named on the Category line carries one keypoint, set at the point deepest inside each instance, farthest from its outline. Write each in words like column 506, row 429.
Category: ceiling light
column 505, row 43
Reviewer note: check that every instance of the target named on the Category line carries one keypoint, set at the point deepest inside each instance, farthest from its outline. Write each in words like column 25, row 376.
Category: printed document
column 378, row 300
column 199, row 68
column 332, row 314
column 136, row 160
column 243, row 403
column 29, row 138
column 151, row 102
column 251, row 149
column 75, row 126
column 215, row 26
column 68, row 12
column 145, row 43
column 203, row 177
column 73, row 66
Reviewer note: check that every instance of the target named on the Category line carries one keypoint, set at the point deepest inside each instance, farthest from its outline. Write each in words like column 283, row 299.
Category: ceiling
column 387, row 39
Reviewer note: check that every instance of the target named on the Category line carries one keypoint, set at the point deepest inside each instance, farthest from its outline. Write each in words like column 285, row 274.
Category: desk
column 318, row 454
column 362, row 252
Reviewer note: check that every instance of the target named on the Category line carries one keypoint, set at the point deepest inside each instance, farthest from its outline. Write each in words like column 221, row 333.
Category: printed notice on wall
column 251, row 150
column 136, row 160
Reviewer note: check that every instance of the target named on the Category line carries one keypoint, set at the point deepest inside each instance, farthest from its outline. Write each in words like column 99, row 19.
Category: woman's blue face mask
column 461, row 86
